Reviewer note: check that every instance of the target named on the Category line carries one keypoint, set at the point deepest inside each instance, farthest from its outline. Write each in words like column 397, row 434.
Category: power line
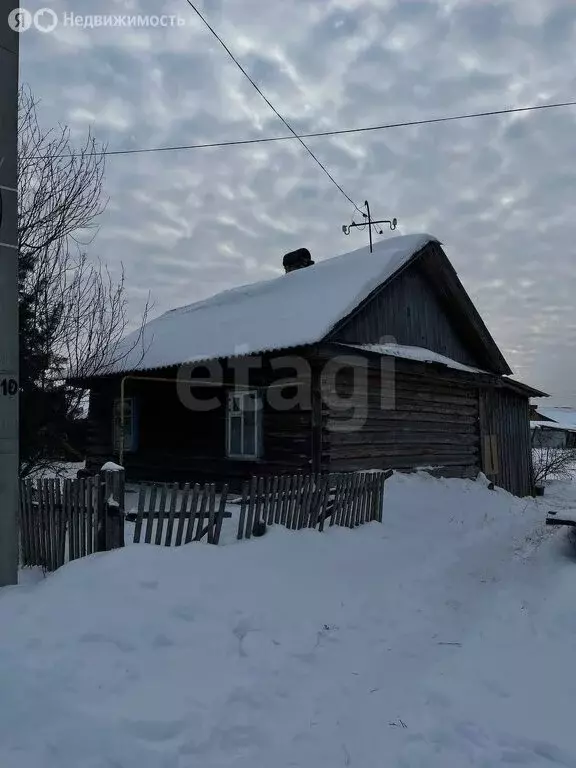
column 320, row 134
column 272, row 107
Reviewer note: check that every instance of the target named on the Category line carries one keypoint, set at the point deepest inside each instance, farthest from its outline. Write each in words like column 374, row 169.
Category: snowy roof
column 561, row 417
column 295, row 309
column 415, row 353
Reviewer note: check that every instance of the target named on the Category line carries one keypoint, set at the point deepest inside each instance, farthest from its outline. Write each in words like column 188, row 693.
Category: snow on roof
column 562, row 417
column 415, row 353
column 545, row 425
column 291, row 310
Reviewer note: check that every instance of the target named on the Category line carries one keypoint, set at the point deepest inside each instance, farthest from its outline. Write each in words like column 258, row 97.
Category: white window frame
column 130, row 437
column 242, row 396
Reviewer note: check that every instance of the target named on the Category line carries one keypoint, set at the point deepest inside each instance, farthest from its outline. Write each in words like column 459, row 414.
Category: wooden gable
column 424, row 305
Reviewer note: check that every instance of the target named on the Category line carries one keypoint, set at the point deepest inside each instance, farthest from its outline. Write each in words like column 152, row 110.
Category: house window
column 243, row 425
column 130, row 436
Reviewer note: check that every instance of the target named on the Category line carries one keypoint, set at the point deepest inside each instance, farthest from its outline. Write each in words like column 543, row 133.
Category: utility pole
column 368, row 221
column 9, row 46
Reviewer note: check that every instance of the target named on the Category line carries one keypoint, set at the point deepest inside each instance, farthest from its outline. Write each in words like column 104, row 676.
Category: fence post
column 111, row 535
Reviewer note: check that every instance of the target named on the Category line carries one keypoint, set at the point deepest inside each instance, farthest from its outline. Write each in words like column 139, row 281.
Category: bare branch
column 73, row 312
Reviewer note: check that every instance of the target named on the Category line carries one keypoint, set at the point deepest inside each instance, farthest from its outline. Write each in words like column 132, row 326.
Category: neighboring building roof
column 415, row 353
column 549, row 425
column 292, row 310
column 560, row 417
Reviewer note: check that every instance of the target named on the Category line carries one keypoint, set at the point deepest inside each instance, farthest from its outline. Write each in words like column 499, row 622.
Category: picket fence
column 62, row 520
column 309, row 501
column 190, row 513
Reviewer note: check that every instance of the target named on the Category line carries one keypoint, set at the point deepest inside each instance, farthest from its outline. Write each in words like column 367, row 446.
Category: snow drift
column 441, row 638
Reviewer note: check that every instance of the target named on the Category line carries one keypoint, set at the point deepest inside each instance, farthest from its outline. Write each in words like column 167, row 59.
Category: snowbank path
column 439, row 639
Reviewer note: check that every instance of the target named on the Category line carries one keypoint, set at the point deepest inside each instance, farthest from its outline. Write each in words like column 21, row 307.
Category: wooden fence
column 62, row 520
column 190, row 514
column 311, row 501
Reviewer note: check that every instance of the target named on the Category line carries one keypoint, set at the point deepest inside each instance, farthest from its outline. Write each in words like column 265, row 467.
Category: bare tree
column 548, row 462
column 73, row 314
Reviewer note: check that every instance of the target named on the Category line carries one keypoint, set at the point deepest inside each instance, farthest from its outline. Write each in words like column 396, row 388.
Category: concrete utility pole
column 8, row 295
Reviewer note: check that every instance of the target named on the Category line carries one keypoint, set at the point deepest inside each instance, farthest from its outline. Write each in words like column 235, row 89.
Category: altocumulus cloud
column 498, row 192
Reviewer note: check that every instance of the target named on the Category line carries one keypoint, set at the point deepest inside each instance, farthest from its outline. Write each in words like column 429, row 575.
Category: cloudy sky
column 500, row 193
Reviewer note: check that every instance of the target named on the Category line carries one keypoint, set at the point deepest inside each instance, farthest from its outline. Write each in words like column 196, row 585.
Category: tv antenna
column 368, row 221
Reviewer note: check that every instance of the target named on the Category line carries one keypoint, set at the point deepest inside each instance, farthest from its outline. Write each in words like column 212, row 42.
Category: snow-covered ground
column 443, row 638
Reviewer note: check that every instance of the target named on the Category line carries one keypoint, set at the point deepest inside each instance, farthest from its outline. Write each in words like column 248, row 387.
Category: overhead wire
column 325, row 134
column 269, row 103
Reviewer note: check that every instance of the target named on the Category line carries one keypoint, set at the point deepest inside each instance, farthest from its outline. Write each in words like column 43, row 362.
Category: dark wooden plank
column 204, row 498
column 37, row 522
column 46, row 516
column 361, row 499
column 335, row 496
column 286, row 500
column 243, row 509
column 308, row 518
column 22, row 534
column 314, row 500
column 326, row 482
column 151, row 511
column 182, row 514
column 194, row 501
column 71, row 512
column 50, row 524
column 77, row 516
column 25, row 532
column 274, row 500
column 366, row 513
column 346, row 498
column 351, row 501
column 307, row 488
column 161, row 514
column 140, row 513
column 364, row 498
column 258, row 509
column 375, row 514
column 211, row 513
column 339, row 489
column 171, row 515
column 295, row 501
column 291, row 490
column 302, row 497
column 267, row 500
column 82, row 516
column 24, row 527
column 220, row 514
column 89, row 516
column 299, row 502
column 55, row 523
column 251, row 506
column 32, row 523
column 65, row 521
column 43, row 525
column 279, row 499
column 385, row 477
column 361, row 478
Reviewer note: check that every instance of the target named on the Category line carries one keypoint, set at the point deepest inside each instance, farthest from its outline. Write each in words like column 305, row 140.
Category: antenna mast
column 368, row 221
